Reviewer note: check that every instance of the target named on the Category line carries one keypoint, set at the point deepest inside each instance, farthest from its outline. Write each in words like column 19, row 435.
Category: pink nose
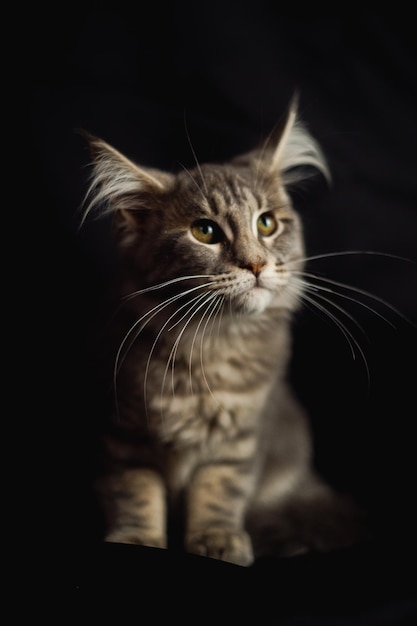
column 256, row 266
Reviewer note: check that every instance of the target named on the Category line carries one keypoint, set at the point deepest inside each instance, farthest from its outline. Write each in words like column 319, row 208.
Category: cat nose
column 256, row 266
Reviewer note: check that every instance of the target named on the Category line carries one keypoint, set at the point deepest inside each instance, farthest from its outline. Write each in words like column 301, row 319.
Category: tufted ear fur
column 295, row 147
column 289, row 151
column 119, row 186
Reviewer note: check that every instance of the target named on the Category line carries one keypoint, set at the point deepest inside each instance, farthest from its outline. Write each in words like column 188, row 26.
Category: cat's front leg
column 215, row 512
column 134, row 502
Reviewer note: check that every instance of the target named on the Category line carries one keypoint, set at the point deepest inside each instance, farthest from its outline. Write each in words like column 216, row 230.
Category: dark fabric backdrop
column 142, row 77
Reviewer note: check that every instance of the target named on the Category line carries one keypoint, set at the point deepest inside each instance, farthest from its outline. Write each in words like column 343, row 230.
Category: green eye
column 266, row 224
column 206, row 231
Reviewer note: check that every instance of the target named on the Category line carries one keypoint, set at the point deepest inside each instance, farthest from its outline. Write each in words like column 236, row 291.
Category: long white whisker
column 165, row 284
column 316, row 290
column 301, row 292
column 171, row 358
column 119, row 360
column 200, row 297
column 261, row 157
column 150, row 315
column 352, row 342
column 140, row 292
column 194, row 180
column 161, row 330
column 217, row 316
column 348, row 335
column 326, row 255
column 359, row 291
column 195, row 157
column 209, row 302
column 204, row 301
column 216, row 304
column 174, row 348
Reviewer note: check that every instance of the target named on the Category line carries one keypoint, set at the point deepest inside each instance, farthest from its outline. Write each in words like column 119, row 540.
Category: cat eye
column 266, row 224
column 206, row 231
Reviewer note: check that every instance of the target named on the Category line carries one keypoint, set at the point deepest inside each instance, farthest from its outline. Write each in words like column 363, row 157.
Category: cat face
column 239, row 232
column 229, row 227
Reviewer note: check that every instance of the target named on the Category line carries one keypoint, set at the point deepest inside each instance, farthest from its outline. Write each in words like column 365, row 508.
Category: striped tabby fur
column 207, row 437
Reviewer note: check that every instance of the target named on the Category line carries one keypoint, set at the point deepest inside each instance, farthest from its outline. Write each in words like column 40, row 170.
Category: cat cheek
column 212, row 255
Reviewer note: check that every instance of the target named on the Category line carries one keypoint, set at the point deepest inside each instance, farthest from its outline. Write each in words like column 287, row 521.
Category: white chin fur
column 253, row 301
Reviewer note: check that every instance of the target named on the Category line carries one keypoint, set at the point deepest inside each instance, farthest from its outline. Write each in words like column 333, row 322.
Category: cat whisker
column 171, row 358
column 357, row 301
column 197, row 298
column 146, row 318
column 210, row 301
column 351, row 340
column 194, row 180
column 196, row 160
column 232, row 313
column 314, row 289
column 191, row 305
column 215, row 309
column 120, row 358
column 160, row 305
column 206, row 297
column 328, row 285
column 150, row 315
column 202, row 299
column 261, row 159
column 326, row 255
column 219, row 315
column 166, row 284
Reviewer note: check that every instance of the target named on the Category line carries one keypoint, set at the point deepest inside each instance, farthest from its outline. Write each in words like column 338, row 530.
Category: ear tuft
column 295, row 150
column 118, row 184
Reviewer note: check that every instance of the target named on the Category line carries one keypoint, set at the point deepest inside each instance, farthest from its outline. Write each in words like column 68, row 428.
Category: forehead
column 221, row 190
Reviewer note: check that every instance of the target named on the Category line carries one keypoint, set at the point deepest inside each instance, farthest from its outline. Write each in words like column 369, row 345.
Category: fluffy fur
column 206, row 436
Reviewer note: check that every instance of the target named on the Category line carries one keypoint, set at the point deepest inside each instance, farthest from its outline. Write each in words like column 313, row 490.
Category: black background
column 223, row 73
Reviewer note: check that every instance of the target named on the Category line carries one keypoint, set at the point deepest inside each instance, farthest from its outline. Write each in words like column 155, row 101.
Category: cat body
column 206, row 428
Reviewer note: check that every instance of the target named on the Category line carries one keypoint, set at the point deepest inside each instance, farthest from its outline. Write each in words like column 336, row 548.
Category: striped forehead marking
column 230, row 196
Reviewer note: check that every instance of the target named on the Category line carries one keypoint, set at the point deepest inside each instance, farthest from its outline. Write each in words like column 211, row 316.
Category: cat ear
column 291, row 151
column 120, row 186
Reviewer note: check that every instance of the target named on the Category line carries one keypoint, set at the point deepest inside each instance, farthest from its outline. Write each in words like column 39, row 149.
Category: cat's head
column 231, row 226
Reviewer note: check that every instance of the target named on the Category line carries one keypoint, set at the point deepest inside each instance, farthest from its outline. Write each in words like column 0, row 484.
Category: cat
column 207, row 436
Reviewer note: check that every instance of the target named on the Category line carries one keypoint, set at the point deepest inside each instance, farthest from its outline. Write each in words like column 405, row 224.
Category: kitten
column 205, row 428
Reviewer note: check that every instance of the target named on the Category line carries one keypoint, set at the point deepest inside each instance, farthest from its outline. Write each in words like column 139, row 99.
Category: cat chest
column 206, row 419
column 213, row 368
column 200, row 395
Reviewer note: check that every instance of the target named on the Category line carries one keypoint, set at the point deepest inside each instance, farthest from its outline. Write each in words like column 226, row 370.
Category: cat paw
column 223, row 544
column 132, row 536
